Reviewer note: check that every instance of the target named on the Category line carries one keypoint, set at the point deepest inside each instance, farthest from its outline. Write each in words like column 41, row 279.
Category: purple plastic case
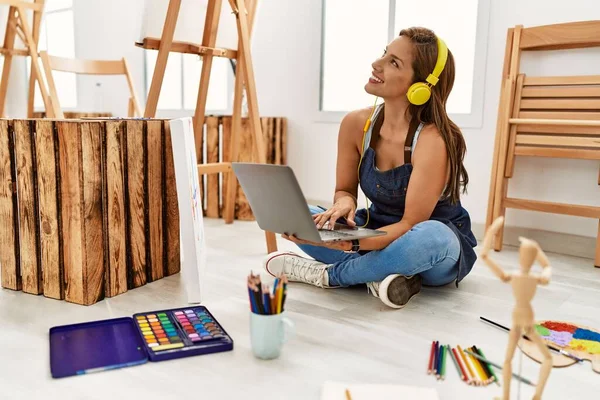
column 95, row 346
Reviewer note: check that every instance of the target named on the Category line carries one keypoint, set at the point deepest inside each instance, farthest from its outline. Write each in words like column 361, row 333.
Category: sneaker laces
column 373, row 288
column 306, row 270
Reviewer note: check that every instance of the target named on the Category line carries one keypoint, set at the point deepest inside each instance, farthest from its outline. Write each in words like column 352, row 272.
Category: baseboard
column 552, row 242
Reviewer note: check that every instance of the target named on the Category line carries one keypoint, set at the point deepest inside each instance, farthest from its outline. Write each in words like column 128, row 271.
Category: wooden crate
column 216, row 145
column 88, row 208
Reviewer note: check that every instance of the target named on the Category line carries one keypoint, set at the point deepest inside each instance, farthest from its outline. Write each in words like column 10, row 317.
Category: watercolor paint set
column 95, row 346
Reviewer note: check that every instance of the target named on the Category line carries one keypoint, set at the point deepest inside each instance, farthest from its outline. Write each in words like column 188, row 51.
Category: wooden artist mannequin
column 524, row 285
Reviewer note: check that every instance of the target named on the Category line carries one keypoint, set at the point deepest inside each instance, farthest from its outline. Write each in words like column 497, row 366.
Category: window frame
column 184, row 112
column 474, row 119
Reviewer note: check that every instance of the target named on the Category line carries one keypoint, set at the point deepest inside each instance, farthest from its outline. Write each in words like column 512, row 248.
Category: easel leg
column 9, row 43
column 236, row 130
column 35, row 66
column 161, row 60
column 248, row 74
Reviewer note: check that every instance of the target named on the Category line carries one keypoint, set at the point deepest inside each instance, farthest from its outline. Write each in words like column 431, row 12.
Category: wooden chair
column 549, row 116
column 87, row 67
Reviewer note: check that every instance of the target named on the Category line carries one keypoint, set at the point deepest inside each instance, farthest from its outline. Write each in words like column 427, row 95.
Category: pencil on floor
column 489, row 367
column 455, row 362
column 435, row 358
column 472, row 377
column 480, row 373
column 515, row 375
column 485, row 366
column 430, row 365
column 439, row 361
column 444, row 361
column 486, row 378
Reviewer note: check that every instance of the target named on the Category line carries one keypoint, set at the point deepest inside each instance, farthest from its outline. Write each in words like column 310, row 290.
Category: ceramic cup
column 268, row 333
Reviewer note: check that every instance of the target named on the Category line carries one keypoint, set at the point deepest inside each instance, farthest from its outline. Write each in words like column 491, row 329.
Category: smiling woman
column 407, row 156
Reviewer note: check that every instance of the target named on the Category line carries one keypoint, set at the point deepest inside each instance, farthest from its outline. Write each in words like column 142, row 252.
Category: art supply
column 580, row 342
column 551, row 347
column 489, row 367
column 269, row 327
column 472, row 376
column 348, row 396
column 516, row 376
column 262, row 300
column 95, row 346
column 369, row 391
column 431, row 358
column 459, row 369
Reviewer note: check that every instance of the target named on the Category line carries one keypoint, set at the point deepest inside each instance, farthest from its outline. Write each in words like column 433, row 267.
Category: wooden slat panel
column 561, row 91
column 94, row 260
column 135, row 204
column 9, row 255
column 31, row 271
column 557, row 153
column 561, row 104
column 171, row 214
column 243, row 211
column 554, row 208
column 71, row 188
column 116, row 252
column 155, row 198
column 559, row 130
column 572, row 115
column 214, row 168
column 570, row 35
column 47, row 170
column 561, row 141
column 212, row 156
column 557, row 122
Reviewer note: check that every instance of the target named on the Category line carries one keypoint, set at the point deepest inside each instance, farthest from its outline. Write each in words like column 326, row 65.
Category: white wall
column 286, row 53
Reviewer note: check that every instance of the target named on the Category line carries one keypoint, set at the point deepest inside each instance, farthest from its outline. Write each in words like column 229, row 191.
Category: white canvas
column 193, row 248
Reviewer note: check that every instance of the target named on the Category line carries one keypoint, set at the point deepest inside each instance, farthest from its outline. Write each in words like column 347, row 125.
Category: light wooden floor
column 344, row 334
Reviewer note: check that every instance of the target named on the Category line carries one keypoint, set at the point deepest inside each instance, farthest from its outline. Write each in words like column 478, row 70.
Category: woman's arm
column 348, row 157
column 430, row 164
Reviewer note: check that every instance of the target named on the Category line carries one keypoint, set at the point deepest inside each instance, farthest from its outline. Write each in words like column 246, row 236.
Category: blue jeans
column 429, row 249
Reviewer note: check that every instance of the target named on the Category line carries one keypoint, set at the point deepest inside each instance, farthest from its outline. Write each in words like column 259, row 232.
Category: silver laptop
column 279, row 205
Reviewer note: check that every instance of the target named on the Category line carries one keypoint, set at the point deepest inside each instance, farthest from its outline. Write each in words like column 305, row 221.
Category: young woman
column 407, row 156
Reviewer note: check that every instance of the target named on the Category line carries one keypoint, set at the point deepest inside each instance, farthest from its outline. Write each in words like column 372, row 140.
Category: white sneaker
column 297, row 268
column 396, row 290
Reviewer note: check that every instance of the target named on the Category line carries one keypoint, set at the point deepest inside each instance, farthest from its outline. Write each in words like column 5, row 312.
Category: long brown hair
column 434, row 111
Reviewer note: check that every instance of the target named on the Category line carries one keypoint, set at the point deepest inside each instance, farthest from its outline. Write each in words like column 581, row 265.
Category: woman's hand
column 341, row 245
column 344, row 207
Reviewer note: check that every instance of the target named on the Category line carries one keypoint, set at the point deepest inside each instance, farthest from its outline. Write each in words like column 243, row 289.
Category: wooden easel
column 17, row 25
column 244, row 77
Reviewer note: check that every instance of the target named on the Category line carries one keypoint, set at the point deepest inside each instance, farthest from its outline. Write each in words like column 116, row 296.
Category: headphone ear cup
column 418, row 93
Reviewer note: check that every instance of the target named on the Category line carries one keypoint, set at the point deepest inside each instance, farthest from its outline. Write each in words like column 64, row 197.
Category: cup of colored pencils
column 471, row 365
column 270, row 328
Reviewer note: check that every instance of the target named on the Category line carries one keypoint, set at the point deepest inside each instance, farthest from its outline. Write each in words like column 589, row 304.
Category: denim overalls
column 387, row 192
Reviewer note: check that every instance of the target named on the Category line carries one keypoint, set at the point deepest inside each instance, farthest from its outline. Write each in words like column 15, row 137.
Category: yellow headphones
column 420, row 92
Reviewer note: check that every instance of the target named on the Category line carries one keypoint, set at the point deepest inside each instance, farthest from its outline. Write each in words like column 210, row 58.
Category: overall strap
column 375, row 125
column 408, row 142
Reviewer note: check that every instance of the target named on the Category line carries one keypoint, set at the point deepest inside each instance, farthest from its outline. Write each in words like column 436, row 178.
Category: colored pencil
column 463, row 373
column 489, row 366
column 516, row 376
column 556, row 349
column 485, row 366
column 482, row 376
column 444, row 358
column 472, row 376
column 485, row 378
column 430, row 365
column 439, row 361
column 435, row 358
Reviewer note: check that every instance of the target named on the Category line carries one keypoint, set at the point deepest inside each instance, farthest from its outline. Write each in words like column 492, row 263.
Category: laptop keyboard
column 329, row 234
